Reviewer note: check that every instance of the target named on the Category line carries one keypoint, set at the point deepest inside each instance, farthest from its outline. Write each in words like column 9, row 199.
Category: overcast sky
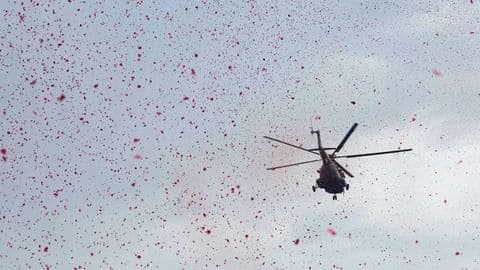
column 131, row 134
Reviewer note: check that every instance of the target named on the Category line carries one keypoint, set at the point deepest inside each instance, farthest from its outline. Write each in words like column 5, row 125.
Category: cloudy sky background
column 132, row 134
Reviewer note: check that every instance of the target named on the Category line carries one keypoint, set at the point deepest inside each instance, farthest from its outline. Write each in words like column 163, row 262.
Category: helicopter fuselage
column 331, row 179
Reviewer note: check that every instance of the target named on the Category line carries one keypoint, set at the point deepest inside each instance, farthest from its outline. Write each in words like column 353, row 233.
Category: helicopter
column 332, row 174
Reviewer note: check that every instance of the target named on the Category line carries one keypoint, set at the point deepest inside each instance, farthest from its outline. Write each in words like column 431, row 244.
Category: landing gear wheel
column 335, row 197
column 347, row 186
column 314, row 188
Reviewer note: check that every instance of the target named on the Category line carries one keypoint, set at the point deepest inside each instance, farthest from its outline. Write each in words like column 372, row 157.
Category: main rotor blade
column 343, row 169
column 289, row 144
column 376, row 153
column 339, row 147
column 294, row 164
